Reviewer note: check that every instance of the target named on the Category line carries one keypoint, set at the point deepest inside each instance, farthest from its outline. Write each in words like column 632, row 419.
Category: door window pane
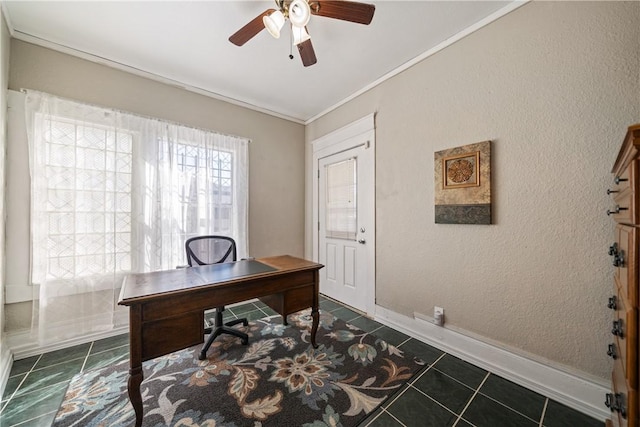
column 341, row 201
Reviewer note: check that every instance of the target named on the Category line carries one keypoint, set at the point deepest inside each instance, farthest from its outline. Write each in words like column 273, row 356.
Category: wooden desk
column 166, row 308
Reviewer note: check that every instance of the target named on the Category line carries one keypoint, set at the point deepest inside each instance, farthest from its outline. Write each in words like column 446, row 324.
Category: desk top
column 142, row 286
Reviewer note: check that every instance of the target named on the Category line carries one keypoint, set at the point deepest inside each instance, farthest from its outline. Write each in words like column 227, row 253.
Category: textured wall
column 276, row 153
column 4, row 83
column 554, row 86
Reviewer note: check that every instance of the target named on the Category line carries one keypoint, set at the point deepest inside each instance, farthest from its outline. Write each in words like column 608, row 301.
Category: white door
column 345, row 215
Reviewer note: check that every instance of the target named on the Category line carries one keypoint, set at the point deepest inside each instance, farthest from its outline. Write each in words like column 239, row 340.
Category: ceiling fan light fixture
column 273, row 23
column 299, row 13
column 300, row 35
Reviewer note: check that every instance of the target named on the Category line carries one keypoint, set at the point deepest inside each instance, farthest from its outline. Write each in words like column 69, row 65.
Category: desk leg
column 315, row 314
column 133, row 387
column 314, row 327
column 135, row 361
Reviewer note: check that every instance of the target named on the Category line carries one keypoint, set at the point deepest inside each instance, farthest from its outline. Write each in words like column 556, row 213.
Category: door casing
column 352, row 135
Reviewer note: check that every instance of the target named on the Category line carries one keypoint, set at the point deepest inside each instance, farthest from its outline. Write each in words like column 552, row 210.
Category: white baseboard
column 23, row 344
column 583, row 394
column 6, row 362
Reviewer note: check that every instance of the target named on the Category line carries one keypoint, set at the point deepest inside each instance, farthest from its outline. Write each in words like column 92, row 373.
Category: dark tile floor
column 448, row 392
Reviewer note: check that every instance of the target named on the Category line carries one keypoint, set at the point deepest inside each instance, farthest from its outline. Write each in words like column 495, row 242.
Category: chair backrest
column 204, row 250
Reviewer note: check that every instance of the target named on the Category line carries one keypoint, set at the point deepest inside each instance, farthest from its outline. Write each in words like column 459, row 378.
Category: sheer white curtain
column 113, row 193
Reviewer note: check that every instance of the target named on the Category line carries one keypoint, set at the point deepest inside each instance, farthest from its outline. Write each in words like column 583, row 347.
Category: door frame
column 333, row 143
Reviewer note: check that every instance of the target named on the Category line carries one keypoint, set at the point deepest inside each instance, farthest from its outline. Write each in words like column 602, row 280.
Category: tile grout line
column 409, row 385
column 21, row 383
column 438, row 403
column 544, row 411
column 505, row 405
column 25, row 422
column 86, row 358
column 473, row 397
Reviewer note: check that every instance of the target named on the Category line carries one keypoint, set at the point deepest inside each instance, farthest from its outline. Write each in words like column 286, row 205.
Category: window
column 113, row 193
column 88, row 173
column 211, row 171
column 341, row 200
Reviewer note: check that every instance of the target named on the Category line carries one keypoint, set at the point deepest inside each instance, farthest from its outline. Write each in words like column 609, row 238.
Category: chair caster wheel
column 202, row 355
column 245, row 342
column 245, row 323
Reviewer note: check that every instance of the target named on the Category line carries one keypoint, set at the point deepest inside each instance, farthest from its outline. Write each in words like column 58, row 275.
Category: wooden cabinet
column 623, row 399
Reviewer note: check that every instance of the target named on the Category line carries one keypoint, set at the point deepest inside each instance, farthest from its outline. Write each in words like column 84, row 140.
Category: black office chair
column 205, row 250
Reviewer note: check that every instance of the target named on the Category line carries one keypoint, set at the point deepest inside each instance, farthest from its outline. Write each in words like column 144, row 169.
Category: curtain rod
column 142, row 116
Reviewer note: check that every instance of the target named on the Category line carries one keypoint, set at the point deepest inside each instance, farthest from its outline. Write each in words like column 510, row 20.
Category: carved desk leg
column 135, row 361
column 315, row 314
column 133, row 387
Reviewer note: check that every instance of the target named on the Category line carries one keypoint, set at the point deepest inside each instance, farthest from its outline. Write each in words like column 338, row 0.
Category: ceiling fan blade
column 250, row 30
column 361, row 13
column 307, row 54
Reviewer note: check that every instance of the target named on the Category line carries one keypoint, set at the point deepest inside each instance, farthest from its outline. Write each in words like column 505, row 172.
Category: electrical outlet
column 438, row 316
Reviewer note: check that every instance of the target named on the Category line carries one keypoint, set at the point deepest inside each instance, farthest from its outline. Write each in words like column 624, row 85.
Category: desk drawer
column 290, row 301
column 171, row 334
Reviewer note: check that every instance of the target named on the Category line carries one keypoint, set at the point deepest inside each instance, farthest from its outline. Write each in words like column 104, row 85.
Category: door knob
column 362, row 241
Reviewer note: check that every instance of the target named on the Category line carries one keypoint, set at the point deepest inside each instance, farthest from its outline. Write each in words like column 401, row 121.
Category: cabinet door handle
column 609, row 401
column 611, row 352
column 618, row 259
column 617, row 328
column 615, row 402
column 613, row 303
column 612, row 191
column 613, row 249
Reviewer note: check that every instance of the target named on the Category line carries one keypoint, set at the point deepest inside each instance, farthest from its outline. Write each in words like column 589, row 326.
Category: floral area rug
column 278, row 379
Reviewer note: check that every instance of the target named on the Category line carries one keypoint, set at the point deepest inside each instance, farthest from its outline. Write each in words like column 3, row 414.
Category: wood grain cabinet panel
column 623, row 400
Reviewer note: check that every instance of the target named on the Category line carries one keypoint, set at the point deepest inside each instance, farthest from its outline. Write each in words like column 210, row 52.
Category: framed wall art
column 463, row 184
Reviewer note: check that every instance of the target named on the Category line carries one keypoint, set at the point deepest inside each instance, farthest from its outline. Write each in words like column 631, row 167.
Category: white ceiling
column 187, row 42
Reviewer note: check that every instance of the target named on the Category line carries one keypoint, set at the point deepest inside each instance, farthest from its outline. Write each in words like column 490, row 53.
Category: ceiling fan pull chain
column 291, row 44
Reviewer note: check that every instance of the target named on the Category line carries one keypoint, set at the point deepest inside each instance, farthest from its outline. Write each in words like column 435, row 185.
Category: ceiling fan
column 298, row 12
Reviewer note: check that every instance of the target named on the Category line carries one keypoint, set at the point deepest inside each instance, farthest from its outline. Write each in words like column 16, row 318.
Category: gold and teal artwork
column 463, row 184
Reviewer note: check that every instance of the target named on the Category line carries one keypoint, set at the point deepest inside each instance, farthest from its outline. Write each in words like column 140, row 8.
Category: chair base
column 220, row 328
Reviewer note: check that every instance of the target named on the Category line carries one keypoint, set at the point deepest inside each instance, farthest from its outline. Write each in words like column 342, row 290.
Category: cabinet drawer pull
column 613, row 303
column 617, row 328
column 616, row 210
column 611, row 352
column 612, row 191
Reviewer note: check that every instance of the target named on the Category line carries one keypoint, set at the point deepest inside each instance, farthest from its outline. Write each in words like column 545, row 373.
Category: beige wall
column 276, row 153
column 554, row 86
